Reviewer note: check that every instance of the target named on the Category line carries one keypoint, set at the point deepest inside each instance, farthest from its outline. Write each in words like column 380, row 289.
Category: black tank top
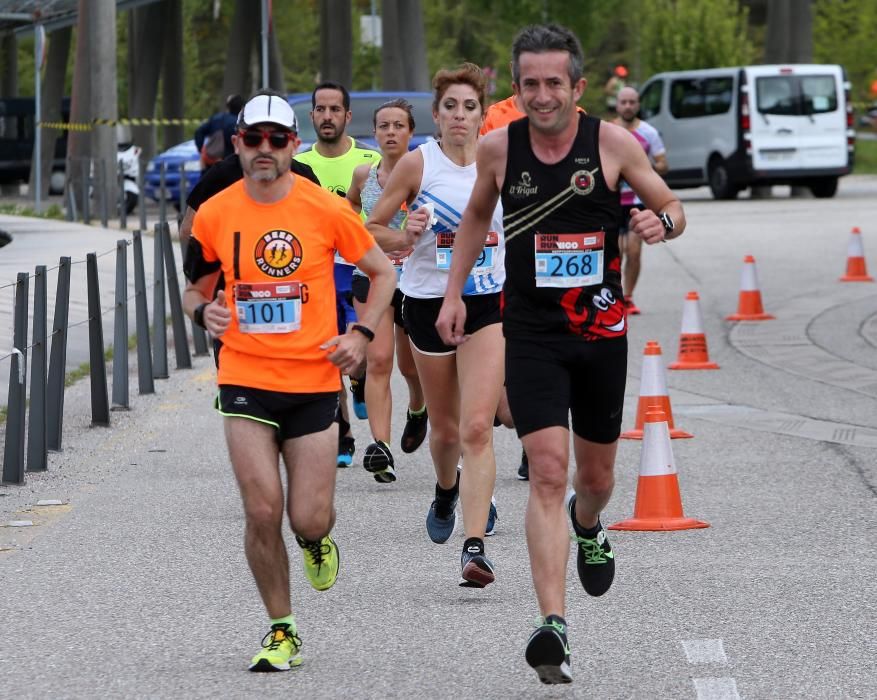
column 563, row 271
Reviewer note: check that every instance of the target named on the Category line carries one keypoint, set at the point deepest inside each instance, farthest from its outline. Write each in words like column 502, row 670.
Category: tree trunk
column 94, row 95
column 392, row 71
column 413, row 40
column 172, row 88
column 52, row 94
column 336, row 41
column 144, row 69
column 9, row 83
column 245, row 27
column 789, row 36
column 277, row 78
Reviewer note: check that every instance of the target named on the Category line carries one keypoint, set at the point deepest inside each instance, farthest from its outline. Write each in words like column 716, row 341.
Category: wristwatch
column 668, row 223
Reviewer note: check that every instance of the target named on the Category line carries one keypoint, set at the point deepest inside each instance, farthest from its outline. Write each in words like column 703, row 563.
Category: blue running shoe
column 346, row 448
column 492, row 517
column 442, row 515
column 357, row 390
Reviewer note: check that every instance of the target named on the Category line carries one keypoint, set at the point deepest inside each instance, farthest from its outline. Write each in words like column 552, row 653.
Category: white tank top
column 447, row 187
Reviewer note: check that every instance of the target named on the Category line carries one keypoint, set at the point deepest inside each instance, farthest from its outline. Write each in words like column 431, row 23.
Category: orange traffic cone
column 693, row 353
column 653, row 393
column 658, row 501
column 749, row 306
column 856, row 270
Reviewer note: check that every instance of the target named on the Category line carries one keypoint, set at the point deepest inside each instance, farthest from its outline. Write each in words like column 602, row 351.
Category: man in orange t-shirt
column 273, row 236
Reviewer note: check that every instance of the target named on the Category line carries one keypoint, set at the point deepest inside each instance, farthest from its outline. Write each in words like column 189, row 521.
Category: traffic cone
column 658, row 501
column 856, row 270
column 653, row 393
column 693, row 353
column 749, row 306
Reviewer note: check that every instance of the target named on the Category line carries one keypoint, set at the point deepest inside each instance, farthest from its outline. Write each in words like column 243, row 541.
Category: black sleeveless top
column 563, row 270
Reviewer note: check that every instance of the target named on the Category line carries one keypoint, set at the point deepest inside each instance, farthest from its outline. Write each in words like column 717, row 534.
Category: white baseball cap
column 268, row 109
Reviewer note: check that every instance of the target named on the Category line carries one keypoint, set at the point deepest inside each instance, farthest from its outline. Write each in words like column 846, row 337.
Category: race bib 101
column 268, row 307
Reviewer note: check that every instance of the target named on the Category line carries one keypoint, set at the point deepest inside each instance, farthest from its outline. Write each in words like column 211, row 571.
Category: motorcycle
column 128, row 159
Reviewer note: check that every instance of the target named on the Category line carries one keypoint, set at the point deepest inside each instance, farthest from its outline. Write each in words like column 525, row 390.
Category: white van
column 753, row 125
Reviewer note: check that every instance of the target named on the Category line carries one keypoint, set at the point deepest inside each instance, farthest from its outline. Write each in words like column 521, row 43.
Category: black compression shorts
column 420, row 315
column 360, row 289
column 546, row 380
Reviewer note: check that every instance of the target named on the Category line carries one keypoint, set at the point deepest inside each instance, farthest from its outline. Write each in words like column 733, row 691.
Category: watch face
column 667, row 221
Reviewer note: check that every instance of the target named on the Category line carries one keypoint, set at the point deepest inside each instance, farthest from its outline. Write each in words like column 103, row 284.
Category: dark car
column 17, row 140
column 185, row 157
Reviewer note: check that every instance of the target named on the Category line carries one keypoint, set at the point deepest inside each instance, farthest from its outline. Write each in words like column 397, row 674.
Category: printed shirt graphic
column 563, row 202
column 447, row 186
column 293, row 241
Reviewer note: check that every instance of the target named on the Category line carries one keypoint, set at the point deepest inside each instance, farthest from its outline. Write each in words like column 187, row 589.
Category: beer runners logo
column 525, row 186
column 583, row 181
column 278, row 253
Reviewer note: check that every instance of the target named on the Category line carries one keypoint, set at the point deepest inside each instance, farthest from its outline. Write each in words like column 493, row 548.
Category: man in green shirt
column 333, row 159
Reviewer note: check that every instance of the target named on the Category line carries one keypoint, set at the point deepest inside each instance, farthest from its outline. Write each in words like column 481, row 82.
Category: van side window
column 686, row 99
column 717, row 95
column 650, row 100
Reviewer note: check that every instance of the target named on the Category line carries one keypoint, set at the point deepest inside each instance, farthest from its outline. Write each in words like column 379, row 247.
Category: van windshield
column 796, row 94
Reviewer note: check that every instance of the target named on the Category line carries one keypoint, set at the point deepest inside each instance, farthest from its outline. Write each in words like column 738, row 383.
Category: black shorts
column 420, row 315
column 548, row 379
column 291, row 415
column 361, row 286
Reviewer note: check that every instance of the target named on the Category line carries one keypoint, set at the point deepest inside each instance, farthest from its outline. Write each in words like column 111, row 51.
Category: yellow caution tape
column 87, row 126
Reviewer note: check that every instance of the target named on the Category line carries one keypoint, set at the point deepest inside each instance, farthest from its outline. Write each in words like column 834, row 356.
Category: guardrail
column 41, row 409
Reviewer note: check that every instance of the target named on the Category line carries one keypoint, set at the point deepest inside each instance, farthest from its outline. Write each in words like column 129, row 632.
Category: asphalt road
column 137, row 585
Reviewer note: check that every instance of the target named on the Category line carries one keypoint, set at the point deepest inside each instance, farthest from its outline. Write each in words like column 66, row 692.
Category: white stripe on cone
column 656, row 458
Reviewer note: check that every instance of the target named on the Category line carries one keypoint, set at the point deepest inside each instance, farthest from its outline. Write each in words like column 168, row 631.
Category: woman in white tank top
column 461, row 384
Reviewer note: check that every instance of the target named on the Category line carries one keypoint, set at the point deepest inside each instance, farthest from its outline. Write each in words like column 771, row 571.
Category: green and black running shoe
column 548, row 651
column 281, row 650
column 595, row 560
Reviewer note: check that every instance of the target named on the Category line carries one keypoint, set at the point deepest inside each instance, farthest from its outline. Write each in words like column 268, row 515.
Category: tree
column 844, row 32
column 691, row 34
column 789, row 32
column 144, row 67
column 336, row 41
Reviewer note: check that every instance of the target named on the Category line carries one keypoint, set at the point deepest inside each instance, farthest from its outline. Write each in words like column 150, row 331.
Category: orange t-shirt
column 503, row 113
column 277, row 260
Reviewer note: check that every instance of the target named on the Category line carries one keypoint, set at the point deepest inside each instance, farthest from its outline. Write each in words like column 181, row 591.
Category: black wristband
column 198, row 315
column 366, row 331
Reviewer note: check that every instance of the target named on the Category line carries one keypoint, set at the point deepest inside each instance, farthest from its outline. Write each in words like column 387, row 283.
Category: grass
column 866, row 157
column 53, row 211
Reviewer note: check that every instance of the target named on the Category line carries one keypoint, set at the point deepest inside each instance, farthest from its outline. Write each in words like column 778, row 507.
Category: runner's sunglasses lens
column 277, row 139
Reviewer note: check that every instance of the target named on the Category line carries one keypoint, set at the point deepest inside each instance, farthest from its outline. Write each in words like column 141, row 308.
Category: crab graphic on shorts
column 603, row 317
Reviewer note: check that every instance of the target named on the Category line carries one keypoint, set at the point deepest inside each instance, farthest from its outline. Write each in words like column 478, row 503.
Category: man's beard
column 263, row 174
column 334, row 138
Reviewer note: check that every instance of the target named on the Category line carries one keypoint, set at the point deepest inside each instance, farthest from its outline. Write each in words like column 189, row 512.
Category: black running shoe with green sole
column 595, row 560
column 548, row 651
column 378, row 460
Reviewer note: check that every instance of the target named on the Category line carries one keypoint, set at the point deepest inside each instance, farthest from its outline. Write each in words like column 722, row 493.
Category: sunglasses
column 277, row 139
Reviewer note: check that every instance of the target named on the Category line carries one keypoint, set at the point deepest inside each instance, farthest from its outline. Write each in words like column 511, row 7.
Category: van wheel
column 824, row 187
column 720, row 180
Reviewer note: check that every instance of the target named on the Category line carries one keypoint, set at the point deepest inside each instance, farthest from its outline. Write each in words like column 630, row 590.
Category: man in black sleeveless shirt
column 563, row 317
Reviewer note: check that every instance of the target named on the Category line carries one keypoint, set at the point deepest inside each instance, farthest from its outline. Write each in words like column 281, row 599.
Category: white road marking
column 716, row 689
column 704, row 651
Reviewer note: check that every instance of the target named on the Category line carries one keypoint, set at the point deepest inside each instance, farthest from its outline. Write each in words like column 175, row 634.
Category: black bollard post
column 178, row 318
column 145, row 384
column 120, row 328
column 199, row 335
column 100, row 403
column 13, row 451
column 37, row 451
column 159, row 323
column 58, row 359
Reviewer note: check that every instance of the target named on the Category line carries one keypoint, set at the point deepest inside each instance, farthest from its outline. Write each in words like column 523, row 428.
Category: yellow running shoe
column 281, row 650
column 321, row 562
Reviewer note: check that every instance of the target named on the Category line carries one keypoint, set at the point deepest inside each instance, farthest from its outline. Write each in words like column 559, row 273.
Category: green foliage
column 843, row 32
column 866, row 157
column 691, row 34
column 52, row 212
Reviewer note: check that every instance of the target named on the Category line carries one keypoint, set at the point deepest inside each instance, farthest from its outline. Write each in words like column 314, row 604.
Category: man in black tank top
column 563, row 316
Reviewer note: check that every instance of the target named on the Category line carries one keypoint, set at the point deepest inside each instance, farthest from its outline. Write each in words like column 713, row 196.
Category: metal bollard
column 145, row 384
column 120, row 328
column 104, row 198
column 162, row 193
column 13, row 452
column 58, row 359
column 86, row 190
column 37, row 451
column 100, row 403
column 178, row 318
column 123, row 208
column 159, row 323
column 199, row 335
column 141, row 197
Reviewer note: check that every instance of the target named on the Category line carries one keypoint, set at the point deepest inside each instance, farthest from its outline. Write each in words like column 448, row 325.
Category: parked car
column 362, row 106
column 732, row 128
column 17, row 141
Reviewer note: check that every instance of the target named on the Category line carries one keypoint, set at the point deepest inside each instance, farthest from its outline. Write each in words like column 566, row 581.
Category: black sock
column 343, row 425
column 473, row 542
column 556, row 619
column 448, row 493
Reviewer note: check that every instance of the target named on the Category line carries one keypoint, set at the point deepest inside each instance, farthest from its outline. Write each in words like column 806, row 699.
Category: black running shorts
column 361, row 286
column 291, row 415
column 546, row 380
column 420, row 315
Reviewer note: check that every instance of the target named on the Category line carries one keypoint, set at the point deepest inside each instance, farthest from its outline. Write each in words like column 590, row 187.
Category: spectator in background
column 613, row 86
column 213, row 137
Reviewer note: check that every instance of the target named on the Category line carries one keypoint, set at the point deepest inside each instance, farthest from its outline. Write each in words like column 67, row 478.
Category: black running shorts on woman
column 563, row 286
column 420, row 315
